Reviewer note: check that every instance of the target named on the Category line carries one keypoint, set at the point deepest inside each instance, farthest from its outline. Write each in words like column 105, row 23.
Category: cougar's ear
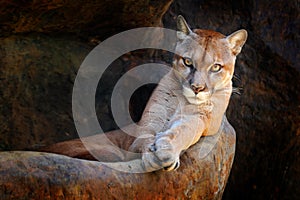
column 183, row 28
column 237, row 40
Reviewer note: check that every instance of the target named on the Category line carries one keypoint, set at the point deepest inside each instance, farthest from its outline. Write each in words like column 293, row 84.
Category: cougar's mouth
column 193, row 98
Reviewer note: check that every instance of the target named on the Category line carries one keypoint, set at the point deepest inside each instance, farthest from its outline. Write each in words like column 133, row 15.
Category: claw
column 152, row 148
column 174, row 166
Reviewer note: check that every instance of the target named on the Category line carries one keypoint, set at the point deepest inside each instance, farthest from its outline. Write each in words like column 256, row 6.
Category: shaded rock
column 35, row 175
column 37, row 111
column 37, row 75
column 101, row 18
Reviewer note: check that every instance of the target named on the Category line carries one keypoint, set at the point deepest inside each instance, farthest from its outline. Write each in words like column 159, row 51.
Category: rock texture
column 35, row 175
column 43, row 43
column 88, row 18
column 37, row 75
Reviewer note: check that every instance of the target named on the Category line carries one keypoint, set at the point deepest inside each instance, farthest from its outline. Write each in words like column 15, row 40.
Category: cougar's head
column 204, row 61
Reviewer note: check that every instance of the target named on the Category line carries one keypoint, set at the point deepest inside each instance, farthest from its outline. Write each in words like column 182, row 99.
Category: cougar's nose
column 198, row 88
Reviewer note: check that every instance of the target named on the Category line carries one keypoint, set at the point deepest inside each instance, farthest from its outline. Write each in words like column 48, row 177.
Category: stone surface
column 43, row 43
column 37, row 75
column 35, row 175
column 101, row 18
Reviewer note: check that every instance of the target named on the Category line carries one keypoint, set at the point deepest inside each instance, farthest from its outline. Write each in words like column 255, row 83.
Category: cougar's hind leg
column 111, row 146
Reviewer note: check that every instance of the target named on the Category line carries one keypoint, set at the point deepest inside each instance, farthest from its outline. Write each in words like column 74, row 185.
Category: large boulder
column 203, row 174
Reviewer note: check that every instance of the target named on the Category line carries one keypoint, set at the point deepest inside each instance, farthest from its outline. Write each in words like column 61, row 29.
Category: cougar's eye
column 216, row 68
column 188, row 62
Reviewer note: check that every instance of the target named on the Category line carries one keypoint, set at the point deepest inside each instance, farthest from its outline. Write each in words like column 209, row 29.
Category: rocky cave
column 43, row 43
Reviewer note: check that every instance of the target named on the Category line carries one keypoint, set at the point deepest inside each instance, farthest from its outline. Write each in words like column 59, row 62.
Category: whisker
column 222, row 94
column 229, row 91
column 236, row 82
column 224, row 90
column 237, row 77
column 237, row 90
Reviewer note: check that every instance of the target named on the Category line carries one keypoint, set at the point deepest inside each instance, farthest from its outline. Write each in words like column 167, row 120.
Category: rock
column 43, row 44
column 88, row 18
column 37, row 75
column 36, row 175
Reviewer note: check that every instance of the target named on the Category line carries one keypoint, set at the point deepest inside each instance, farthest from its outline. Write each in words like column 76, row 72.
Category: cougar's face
column 204, row 64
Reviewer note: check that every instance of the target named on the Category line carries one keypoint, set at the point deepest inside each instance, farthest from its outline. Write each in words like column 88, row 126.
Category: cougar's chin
column 192, row 98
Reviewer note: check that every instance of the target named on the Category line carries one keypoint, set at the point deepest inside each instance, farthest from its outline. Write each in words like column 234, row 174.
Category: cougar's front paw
column 161, row 154
column 141, row 143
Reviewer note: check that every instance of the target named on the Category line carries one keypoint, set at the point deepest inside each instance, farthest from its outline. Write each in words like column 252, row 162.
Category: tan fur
column 175, row 116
